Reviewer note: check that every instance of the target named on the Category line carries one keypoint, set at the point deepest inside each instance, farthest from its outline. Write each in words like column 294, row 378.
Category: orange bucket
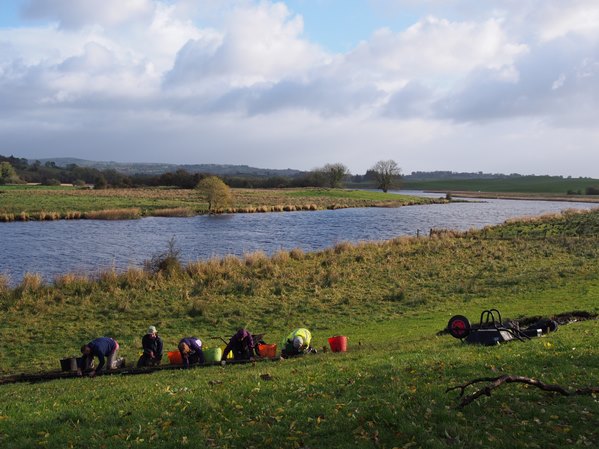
column 174, row 358
column 268, row 351
column 338, row 343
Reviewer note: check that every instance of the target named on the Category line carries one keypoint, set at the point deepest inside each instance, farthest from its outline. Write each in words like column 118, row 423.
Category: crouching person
column 243, row 346
column 297, row 343
column 152, row 346
column 191, row 351
column 105, row 348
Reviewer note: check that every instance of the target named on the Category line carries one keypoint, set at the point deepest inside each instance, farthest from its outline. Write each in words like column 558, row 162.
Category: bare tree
column 335, row 174
column 386, row 173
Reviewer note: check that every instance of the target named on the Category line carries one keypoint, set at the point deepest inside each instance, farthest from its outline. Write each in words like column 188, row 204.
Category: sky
column 503, row 86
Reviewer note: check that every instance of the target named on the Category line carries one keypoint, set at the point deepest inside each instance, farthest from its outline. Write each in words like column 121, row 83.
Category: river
column 86, row 247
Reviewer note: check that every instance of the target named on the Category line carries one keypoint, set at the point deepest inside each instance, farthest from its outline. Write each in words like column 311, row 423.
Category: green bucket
column 213, row 355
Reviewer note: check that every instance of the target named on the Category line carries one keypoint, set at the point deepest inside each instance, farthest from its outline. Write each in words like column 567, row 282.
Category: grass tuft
column 297, row 254
column 70, row 280
column 114, row 214
column 31, row 282
column 173, row 212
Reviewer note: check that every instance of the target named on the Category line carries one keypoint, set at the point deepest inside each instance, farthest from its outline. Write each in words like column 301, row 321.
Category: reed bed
column 172, row 212
column 256, row 259
column 114, row 214
column 297, row 254
column 31, row 282
column 4, row 283
column 69, row 280
column 133, row 276
column 72, row 215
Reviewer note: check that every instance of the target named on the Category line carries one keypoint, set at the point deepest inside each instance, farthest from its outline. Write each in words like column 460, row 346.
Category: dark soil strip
column 44, row 377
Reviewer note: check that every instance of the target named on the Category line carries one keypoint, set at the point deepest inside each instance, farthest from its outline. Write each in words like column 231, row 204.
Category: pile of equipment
column 491, row 330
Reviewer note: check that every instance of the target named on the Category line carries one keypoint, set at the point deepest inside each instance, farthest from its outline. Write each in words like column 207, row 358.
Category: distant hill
column 147, row 168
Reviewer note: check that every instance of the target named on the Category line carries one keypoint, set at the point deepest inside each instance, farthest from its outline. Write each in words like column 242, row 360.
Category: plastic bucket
column 174, row 358
column 68, row 364
column 213, row 355
column 338, row 343
column 268, row 351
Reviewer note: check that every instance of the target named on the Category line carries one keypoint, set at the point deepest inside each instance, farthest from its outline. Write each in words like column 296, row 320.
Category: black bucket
column 68, row 364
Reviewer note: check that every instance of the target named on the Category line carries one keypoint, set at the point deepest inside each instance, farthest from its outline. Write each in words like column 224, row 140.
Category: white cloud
column 438, row 48
column 79, row 13
column 559, row 18
column 240, row 77
column 259, row 44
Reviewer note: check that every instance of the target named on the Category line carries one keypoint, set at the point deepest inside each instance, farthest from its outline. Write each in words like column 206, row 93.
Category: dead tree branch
column 495, row 382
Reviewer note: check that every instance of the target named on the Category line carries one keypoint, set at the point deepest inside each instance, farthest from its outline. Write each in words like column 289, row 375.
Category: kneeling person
column 191, row 351
column 242, row 345
column 152, row 346
column 105, row 348
column 297, row 343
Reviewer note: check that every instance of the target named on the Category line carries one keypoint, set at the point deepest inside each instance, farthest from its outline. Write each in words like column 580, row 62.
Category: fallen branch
column 495, row 382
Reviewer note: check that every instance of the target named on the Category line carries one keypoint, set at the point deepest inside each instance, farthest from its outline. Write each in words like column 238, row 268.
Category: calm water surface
column 88, row 246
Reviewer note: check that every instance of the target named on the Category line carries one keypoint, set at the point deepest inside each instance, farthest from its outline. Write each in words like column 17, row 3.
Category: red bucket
column 174, row 358
column 268, row 351
column 338, row 343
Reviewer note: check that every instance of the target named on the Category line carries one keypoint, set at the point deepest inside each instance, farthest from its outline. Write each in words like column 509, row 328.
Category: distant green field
column 344, row 194
column 390, row 298
column 536, row 184
column 63, row 201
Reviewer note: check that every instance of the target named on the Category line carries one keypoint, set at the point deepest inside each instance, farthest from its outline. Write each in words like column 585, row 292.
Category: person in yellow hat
column 297, row 343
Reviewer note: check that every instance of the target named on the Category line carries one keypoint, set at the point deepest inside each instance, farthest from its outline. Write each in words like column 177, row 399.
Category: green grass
column 525, row 184
column 389, row 298
column 62, row 201
column 345, row 194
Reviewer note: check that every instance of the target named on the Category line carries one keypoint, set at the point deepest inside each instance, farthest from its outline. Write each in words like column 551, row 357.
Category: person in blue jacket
column 105, row 348
column 191, row 351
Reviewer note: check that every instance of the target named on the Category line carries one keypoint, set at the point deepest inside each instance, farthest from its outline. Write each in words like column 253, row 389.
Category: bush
column 51, row 182
column 167, row 262
column 592, row 190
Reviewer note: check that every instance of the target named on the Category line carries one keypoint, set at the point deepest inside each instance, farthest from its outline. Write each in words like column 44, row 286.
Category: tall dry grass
column 108, row 276
column 31, row 282
column 297, row 254
column 281, row 257
column 43, row 216
column 256, row 259
column 72, row 215
column 173, row 212
column 133, row 276
column 71, row 280
column 342, row 247
column 114, row 214
column 4, row 283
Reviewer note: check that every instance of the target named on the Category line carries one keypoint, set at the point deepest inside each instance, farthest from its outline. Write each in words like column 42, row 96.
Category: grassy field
column 39, row 202
column 525, row 184
column 390, row 298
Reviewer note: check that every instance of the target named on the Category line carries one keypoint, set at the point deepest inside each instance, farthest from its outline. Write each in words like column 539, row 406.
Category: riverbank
column 518, row 196
column 41, row 203
column 390, row 298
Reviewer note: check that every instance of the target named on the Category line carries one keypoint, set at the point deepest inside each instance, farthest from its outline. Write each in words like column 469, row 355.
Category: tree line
column 382, row 175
